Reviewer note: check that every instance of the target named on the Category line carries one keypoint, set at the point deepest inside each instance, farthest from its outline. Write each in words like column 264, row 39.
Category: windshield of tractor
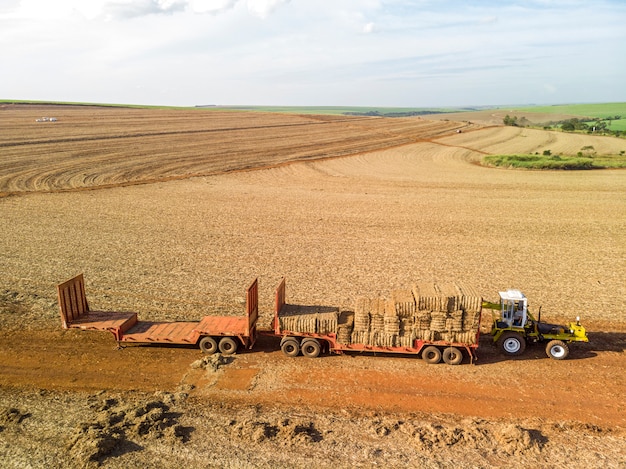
column 514, row 308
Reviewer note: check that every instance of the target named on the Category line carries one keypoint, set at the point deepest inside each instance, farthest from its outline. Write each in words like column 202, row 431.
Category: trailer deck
column 125, row 326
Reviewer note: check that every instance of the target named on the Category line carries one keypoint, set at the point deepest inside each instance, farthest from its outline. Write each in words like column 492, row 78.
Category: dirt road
column 586, row 388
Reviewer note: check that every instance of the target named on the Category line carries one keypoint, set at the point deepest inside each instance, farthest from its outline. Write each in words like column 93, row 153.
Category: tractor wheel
column 431, row 355
column 208, row 345
column 311, row 348
column 557, row 349
column 290, row 347
column 452, row 356
column 512, row 344
column 228, row 346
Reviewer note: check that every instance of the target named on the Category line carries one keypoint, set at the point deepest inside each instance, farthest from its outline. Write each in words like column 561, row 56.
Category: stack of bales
column 429, row 311
column 446, row 312
column 309, row 319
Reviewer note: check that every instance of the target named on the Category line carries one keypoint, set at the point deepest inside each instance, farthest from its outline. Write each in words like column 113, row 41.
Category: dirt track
column 491, row 389
column 337, row 229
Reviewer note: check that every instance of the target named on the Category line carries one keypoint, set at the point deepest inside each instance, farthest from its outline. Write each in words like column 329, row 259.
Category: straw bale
column 450, row 298
column 309, row 319
column 391, row 325
column 344, row 333
column 362, row 315
column 470, row 298
column 404, row 340
column 438, row 321
column 403, row 302
column 406, row 326
column 422, row 320
column 427, row 297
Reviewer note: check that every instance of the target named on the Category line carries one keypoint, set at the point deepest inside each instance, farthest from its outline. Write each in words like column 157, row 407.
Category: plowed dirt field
column 172, row 228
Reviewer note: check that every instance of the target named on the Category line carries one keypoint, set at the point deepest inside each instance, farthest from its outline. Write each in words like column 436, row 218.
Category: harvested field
column 371, row 225
column 90, row 147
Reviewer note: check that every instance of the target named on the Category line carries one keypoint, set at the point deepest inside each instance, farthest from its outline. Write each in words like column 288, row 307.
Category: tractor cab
column 513, row 309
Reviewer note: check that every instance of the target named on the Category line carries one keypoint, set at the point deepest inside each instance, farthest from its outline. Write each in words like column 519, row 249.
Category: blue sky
column 417, row 53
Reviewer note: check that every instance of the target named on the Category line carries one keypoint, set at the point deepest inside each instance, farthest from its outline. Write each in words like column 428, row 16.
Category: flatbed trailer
column 211, row 333
column 311, row 342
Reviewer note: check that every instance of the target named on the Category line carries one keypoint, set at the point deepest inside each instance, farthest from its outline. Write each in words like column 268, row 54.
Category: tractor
column 515, row 326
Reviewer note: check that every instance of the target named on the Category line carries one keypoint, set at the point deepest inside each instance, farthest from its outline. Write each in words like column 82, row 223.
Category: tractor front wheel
column 512, row 344
column 557, row 350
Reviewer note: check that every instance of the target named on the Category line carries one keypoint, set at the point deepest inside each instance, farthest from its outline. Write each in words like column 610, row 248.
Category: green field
column 555, row 162
column 602, row 110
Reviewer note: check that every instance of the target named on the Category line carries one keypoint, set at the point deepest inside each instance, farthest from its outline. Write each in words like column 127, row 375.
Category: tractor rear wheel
column 557, row 349
column 431, row 355
column 228, row 346
column 512, row 343
column 452, row 356
column 208, row 345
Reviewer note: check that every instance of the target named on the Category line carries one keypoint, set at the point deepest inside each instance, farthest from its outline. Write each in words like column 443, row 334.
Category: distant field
column 92, row 146
column 600, row 110
column 336, row 110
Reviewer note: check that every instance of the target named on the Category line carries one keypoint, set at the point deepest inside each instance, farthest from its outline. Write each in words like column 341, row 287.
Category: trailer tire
column 290, row 347
column 208, row 345
column 228, row 346
column 431, row 355
column 512, row 344
column 311, row 348
column 452, row 356
column 557, row 350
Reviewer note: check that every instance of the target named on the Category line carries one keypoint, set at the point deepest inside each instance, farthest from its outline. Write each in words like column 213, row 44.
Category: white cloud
column 263, row 8
column 369, row 28
column 211, row 6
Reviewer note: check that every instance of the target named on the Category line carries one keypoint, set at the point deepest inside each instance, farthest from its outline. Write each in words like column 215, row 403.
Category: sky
column 388, row 53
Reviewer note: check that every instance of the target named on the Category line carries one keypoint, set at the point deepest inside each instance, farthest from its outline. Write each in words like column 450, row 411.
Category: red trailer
column 211, row 333
column 312, row 329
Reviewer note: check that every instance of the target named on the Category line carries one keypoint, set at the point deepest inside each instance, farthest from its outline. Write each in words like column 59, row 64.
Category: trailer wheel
column 512, row 344
column 228, row 346
column 290, row 347
column 311, row 348
column 557, row 349
column 431, row 355
column 452, row 356
column 208, row 345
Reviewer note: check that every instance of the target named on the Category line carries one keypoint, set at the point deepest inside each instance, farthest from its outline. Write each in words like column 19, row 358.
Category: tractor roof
column 512, row 295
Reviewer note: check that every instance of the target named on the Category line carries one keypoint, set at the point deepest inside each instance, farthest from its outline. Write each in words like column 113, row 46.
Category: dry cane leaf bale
column 406, row 326
column 362, row 315
column 470, row 299
column 427, row 297
column 327, row 322
column 344, row 333
column 360, row 337
column 422, row 321
column 438, row 321
column 404, row 341
column 450, row 300
column 404, row 303
column 377, row 315
column 392, row 325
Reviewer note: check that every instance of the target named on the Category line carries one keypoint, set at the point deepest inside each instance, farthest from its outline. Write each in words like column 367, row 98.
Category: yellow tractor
column 515, row 326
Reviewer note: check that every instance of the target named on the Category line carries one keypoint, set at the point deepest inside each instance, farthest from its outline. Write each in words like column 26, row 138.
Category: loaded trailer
column 438, row 323
column 211, row 333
